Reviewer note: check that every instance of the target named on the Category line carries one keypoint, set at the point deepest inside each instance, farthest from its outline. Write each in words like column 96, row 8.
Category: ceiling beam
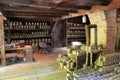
column 34, row 11
column 56, row 4
column 80, row 2
column 23, row 14
column 54, row 8
column 32, row 18
column 73, row 6
column 19, row 8
column 37, row 6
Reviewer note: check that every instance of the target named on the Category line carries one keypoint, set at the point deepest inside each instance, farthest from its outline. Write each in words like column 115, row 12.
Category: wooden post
column 2, row 45
column 66, row 23
column 88, row 33
column 87, row 30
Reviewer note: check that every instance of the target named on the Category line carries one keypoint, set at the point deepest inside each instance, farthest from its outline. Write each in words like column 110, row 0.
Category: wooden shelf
column 30, row 37
column 32, row 33
column 76, row 39
column 75, row 28
column 80, row 36
column 75, row 32
column 19, row 30
column 26, row 29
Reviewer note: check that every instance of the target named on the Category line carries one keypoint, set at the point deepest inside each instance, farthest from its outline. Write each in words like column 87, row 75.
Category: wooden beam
column 80, row 7
column 89, row 2
column 37, row 6
column 31, row 15
column 37, row 9
column 43, row 4
column 12, row 13
column 18, row 8
column 34, row 12
column 68, row 5
column 38, row 18
column 81, row 2
column 71, row 6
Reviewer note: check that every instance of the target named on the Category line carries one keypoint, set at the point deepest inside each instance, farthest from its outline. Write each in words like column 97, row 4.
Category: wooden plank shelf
column 75, row 28
column 27, row 29
column 30, row 37
column 77, row 36
column 75, row 32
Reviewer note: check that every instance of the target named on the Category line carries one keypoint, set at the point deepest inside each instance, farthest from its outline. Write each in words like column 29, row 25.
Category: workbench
column 27, row 52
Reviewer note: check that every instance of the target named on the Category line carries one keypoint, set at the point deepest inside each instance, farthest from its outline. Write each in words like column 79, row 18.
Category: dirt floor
column 44, row 67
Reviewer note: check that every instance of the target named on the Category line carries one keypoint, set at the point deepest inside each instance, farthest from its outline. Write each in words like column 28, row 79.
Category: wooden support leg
column 91, row 57
column 86, row 62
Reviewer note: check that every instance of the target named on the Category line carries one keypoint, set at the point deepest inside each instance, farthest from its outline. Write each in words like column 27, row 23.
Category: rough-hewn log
column 37, row 6
column 33, row 18
column 52, row 7
column 35, row 12
column 17, row 8
column 67, row 4
column 31, row 15
column 71, row 6
column 81, row 2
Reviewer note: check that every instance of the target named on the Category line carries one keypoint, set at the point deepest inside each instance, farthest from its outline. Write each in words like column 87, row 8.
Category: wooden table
column 27, row 51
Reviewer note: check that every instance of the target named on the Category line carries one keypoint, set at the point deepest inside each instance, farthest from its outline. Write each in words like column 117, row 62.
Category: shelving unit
column 31, row 32
column 75, row 29
column 75, row 32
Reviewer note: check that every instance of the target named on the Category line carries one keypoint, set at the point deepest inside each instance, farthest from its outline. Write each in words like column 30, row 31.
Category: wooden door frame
column 88, row 33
